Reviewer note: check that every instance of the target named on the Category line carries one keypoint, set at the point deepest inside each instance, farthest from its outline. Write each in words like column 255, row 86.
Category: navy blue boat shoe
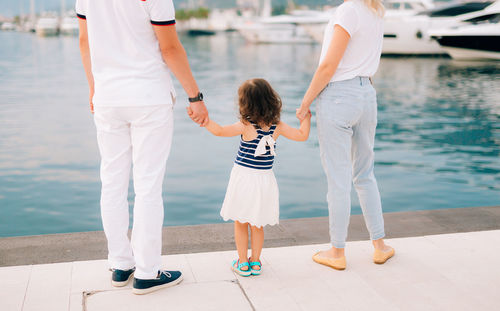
column 120, row 278
column 163, row 280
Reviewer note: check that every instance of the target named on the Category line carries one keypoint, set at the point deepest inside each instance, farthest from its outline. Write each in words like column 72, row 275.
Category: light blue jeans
column 347, row 117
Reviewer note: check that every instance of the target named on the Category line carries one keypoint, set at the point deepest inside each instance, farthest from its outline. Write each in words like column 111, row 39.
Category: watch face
column 200, row 96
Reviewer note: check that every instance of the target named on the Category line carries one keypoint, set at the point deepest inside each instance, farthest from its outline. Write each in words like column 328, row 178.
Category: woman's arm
column 326, row 69
column 300, row 134
column 85, row 53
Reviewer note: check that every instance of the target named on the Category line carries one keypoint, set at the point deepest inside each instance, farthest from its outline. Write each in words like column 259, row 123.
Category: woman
column 347, row 118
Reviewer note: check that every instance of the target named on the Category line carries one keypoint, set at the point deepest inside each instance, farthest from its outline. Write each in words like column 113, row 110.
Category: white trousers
column 139, row 137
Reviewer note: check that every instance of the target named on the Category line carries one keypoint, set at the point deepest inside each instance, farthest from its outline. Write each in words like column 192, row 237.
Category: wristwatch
column 198, row 98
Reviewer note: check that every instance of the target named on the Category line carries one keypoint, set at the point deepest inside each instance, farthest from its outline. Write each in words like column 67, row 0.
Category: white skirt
column 252, row 196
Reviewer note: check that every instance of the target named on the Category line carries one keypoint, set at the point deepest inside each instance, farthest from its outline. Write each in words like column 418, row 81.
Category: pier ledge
column 68, row 247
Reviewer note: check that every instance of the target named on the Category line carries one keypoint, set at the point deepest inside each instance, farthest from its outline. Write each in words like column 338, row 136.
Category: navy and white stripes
column 245, row 156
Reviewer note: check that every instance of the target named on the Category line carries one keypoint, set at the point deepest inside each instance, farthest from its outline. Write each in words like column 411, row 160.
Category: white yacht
column 407, row 24
column 69, row 22
column 69, row 25
column 316, row 28
column 282, row 28
column 400, row 8
column 396, row 13
column 409, row 34
column 8, row 26
column 30, row 23
column 478, row 39
column 402, row 36
column 47, row 26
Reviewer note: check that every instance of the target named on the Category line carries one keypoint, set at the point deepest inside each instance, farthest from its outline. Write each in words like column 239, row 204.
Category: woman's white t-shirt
column 362, row 55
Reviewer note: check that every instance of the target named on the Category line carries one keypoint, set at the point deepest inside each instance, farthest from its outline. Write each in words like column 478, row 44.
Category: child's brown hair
column 259, row 103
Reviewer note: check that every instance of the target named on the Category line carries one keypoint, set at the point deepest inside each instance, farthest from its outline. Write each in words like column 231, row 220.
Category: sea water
column 437, row 143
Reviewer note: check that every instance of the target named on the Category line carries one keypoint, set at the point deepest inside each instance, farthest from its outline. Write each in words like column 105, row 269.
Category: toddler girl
column 252, row 198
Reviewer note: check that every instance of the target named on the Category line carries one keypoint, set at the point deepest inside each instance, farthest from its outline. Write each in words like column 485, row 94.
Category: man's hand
column 198, row 113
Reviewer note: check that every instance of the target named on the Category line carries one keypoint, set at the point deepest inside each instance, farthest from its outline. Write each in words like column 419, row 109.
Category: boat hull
column 200, row 32
column 69, row 32
column 277, row 34
column 316, row 31
column 47, row 26
column 69, row 26
column 470, row 54
column 469, row 47
column 411, row 46
column 46, row 32
column 479, row 42
column 408, row 35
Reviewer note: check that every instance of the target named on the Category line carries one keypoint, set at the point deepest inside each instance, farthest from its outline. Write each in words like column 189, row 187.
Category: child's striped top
column 258, row 153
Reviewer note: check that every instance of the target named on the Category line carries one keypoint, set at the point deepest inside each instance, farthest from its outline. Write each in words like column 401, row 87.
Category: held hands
column 303, row 113
column 198, row 113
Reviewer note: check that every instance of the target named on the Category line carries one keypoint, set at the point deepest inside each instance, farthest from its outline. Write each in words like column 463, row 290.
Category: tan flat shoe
column 335, row 263
column 380, row 257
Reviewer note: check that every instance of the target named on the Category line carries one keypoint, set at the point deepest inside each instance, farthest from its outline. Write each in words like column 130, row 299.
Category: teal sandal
column 237, row 268
column 255, row 263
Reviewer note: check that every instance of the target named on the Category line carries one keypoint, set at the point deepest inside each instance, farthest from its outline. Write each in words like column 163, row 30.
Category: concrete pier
column 445, row 260
column 69, row 247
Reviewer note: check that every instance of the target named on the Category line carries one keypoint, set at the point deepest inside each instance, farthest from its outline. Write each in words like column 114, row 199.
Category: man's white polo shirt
column 127, row 65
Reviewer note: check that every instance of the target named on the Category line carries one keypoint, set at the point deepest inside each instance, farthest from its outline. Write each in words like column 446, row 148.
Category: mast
column 32, row 13
column 267, row 9
column 63, row 8
column 32, row 9
column 21, row 12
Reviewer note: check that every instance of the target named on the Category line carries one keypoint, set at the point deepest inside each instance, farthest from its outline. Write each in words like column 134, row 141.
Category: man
column 129, row 48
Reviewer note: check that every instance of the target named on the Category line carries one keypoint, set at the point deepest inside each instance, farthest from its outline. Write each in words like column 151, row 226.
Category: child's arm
column 225, row 131
column 300, row 134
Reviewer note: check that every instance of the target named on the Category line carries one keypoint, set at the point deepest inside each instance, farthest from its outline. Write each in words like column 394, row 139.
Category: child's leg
column 257, row 243
column 241, row 239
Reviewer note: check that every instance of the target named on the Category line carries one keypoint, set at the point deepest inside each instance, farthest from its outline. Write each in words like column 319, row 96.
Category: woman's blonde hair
column 377, row 6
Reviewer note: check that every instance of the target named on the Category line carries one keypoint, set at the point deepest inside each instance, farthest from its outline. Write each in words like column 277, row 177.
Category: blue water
column 437, row 145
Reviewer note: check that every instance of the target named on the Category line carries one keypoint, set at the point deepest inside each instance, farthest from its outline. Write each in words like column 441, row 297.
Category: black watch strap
column 198, row 98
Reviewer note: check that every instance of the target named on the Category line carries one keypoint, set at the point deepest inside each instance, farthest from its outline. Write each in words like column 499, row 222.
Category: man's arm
column 85, row 53
column 175, row 57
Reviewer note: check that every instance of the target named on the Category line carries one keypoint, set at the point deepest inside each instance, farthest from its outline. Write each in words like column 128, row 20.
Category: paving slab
column 93, row 275
column 49, row 287
column 214, row 266
column 14, row 282
column 76, row 302
column 219, row 295
column 179, row 262
column 456, row 271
